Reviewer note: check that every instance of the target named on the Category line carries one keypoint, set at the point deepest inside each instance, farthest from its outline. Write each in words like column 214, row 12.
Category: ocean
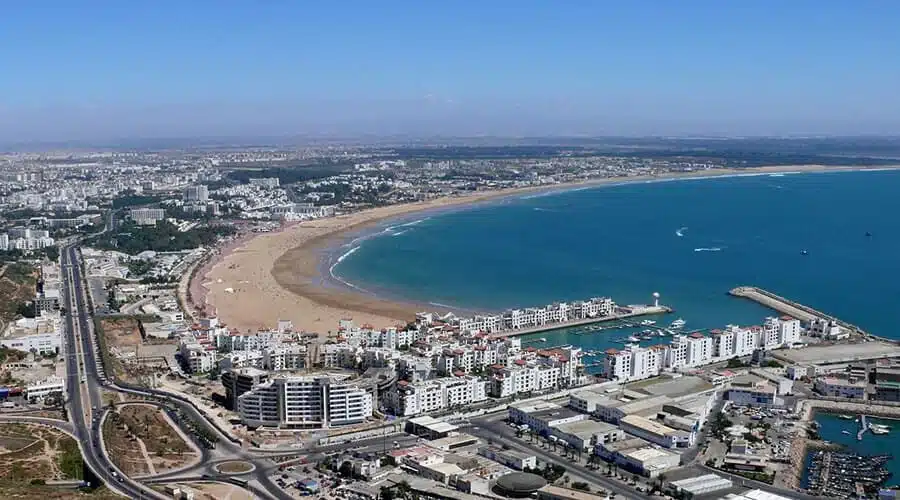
column 690, row 240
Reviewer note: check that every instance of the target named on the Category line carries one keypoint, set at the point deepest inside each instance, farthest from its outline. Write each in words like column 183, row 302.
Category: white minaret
column 655, row 299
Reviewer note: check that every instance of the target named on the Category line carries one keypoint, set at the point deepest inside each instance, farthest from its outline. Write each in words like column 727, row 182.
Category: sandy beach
column 278, row 275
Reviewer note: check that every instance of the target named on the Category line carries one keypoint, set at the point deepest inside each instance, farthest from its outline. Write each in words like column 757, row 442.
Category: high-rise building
column 196, row 194
column 304, row 402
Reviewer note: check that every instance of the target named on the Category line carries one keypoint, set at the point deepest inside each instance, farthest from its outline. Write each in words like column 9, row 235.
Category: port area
column 791, row 308
column 622, row 313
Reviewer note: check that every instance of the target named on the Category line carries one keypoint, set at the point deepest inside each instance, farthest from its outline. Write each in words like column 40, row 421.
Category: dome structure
column 520, row 484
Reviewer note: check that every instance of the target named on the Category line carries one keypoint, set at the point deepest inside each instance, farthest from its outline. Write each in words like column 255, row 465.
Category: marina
column 623, row 313
column 841, row 475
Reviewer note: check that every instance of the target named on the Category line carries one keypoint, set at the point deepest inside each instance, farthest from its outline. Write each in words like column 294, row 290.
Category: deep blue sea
column 690, row 240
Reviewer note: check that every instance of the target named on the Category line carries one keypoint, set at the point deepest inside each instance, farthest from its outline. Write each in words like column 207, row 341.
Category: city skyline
column 108, row 71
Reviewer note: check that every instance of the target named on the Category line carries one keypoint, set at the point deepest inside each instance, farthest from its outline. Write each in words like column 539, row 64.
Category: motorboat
column 678, row 323
column 648, row 322
column 845, row 432
column 543, row 339
column 633, row 339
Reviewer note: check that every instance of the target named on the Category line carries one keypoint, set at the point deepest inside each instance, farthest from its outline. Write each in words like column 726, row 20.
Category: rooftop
column 841, row 353
column 569, row 494
column 557, row 413
column 586, row 429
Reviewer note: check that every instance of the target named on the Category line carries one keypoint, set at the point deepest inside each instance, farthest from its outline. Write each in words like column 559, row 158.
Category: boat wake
column 680, row 232
column 708, row 249
column 398, row 233
column 539, row 209
column 438, row 304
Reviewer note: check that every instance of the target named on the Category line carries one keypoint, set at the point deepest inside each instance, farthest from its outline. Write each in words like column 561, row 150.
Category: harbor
column 623, row 313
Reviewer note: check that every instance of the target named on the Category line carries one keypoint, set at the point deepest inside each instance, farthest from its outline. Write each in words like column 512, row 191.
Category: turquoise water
column 889, row 444
column 622, row 241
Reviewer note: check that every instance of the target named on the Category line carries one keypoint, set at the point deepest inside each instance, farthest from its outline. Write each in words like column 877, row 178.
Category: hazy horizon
column 103, row 71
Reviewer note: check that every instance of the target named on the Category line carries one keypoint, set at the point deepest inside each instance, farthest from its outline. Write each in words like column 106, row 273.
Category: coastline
column 287, row 274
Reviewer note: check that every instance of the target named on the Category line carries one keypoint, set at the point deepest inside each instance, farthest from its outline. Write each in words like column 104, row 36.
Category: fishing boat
column 845, row 417
column 879, row 430
column 648, row 322
column 678, row 323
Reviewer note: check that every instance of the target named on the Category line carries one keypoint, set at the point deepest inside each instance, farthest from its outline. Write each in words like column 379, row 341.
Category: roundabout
column 234, row 467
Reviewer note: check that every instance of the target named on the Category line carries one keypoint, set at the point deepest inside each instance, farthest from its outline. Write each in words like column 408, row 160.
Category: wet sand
column 282, row 275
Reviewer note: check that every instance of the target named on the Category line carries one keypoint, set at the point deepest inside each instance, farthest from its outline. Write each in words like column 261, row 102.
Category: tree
column 387, row 493
column 346, row 469
column 661, row 480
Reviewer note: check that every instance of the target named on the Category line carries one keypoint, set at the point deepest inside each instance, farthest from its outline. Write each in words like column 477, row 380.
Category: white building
column 656, row 432
column 197, row 358
column 840, row 388
column 51, row 385
column 826, row 329
column 304, row 403
column 147, row 216
column 41, row 335
column 434, row 395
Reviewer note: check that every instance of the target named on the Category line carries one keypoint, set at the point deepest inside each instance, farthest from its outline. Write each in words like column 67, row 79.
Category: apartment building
column 435, row 395
column 295, row 402
column 147, row 216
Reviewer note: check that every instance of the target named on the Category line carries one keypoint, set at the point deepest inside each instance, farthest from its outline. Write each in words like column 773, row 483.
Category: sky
column 99, row 70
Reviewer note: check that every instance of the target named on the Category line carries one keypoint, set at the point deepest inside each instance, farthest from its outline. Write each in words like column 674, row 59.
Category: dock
column 633, row 313
column 863, row 427
column 789, row 307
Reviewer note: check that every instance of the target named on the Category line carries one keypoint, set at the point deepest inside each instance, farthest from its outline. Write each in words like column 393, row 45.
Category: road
column 492, row 427
column 83, row 382
column 86, row 379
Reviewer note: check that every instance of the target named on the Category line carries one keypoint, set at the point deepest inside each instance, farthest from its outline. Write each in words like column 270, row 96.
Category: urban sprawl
column 99, row 250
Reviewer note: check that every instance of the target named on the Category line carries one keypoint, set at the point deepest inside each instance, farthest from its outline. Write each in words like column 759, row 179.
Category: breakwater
column 790, row 307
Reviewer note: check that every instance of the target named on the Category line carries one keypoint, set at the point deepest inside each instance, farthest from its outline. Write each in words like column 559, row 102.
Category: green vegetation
column 719, row 423
column 581, row 486
column 550, row 472
column 290, row 175
column 773, row 364
column 133, row 199
column 51, row 253
column 163, row 237
column 736, row 363
column 69, row 459
column 138, row 267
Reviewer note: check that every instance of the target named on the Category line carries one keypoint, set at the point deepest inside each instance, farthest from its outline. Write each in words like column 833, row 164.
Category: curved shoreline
column 287, row 274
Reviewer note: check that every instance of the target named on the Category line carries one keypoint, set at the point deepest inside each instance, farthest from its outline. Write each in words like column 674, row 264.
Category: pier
column 863, row 427
column 633, row 312
column 789, row 307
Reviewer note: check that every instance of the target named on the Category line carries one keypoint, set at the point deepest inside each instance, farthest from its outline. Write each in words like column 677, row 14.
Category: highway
column 80, row 366
column 86, row 379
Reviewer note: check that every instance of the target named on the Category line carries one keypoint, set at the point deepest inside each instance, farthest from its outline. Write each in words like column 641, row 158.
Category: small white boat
column 542, row 339
column 845, row 432
column 648, row 322
column 633, row 339
column 678, row 323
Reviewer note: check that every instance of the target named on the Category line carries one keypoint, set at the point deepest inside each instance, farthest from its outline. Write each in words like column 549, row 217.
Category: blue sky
column 164, row 68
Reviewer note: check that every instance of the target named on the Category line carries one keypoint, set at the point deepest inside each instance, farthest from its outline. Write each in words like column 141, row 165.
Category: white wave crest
column 710, row 249
column 680, row 231
column 415, row 222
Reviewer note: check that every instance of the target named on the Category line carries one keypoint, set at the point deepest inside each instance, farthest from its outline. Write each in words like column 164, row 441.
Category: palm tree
column 609, row 466
column 660, row 480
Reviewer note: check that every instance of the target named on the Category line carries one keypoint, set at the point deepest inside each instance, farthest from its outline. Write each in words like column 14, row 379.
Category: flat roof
column 841, row 353
column 589, row 395
column 586, row 428
column 673, row 387
column 648, row 453
column 703, row 482
column 642, row 405
column 451, row 440
column 648, row 425
column 556, row 413
column 560, row 492
column 754, row 495
column 531, row 407
column 626, row 444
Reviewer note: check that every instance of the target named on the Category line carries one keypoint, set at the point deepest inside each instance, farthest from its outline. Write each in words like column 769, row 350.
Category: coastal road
column 86, row 379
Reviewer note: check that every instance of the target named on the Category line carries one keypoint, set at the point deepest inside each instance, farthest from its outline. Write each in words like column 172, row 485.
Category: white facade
column 46, row 387
column 840, row 388
column 434, row 395
column 304, row 402
column 147, row 216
